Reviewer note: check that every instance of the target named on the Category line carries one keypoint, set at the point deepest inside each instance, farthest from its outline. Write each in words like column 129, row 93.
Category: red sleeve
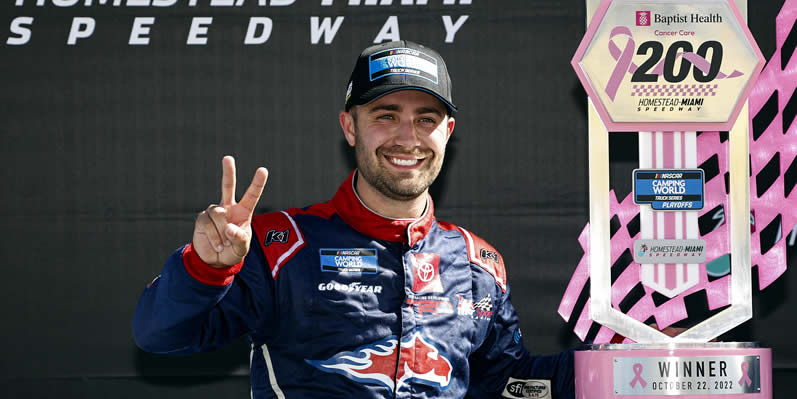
column 205, row 273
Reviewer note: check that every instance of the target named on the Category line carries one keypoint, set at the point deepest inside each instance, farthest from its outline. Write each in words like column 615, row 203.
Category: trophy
column 678, row 73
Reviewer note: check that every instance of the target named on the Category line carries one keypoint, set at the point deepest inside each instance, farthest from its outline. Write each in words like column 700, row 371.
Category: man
column 364, row 296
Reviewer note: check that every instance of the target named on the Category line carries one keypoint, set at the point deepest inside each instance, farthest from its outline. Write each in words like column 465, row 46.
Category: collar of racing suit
column 354, row 212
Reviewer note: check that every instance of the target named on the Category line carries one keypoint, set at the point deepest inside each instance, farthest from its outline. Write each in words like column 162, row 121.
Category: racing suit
column 340, row 302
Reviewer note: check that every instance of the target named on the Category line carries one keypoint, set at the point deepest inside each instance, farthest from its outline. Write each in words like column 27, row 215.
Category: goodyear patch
column 349, row 260
column 669, row 189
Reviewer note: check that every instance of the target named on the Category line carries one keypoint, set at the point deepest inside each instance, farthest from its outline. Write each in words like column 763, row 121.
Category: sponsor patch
column 350, row 260
column 517, row 336
column 280, row 236
column 402, row 61
column 465, row 306
column 527, row 388
column 430, row 305
column 490, row 255
column 420, row 361
column 426, row 273
column 483, row 309
column 669, row 251
column 669, row 189
column 350, row 287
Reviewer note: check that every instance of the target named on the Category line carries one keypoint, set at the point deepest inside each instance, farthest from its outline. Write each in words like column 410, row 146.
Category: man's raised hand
column 222, row 232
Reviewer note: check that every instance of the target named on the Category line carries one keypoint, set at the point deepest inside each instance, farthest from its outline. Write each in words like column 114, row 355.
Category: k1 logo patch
column 276, row 236
column 426, row 273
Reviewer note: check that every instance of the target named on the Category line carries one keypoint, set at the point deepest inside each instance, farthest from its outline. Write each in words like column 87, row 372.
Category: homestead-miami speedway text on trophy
column 670, row 70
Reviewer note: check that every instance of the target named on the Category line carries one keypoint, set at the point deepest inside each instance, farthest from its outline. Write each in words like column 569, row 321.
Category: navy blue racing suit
column 340, row 302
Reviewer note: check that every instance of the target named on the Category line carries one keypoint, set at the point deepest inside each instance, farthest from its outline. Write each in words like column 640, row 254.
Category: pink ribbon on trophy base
column 745, row 375
column 638, row 376
column 625, row 65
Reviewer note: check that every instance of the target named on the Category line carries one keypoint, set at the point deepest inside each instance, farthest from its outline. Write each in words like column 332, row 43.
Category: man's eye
column 385, row 117
column 428, row 120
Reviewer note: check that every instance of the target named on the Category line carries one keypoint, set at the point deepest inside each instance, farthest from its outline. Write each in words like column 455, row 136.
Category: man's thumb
column 238, row 238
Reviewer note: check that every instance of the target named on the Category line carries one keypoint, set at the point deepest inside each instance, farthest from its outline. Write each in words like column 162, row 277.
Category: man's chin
column 404, row 192
column 404, row 185
column 402, row 196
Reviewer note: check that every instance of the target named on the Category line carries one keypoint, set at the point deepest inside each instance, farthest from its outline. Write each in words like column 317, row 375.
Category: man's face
column 400, row 141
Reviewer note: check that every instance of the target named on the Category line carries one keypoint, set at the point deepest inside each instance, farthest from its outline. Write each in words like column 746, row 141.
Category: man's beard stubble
column 374, row 173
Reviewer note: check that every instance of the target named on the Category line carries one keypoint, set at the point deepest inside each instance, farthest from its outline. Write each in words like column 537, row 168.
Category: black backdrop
column 110, row 149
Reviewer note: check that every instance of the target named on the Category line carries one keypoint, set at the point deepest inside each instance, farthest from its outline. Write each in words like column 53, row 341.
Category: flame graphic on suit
column 420, row 361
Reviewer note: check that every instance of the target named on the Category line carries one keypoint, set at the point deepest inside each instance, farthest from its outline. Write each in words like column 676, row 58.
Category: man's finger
column 228, row 181
column 214, row 255
column 206, row 226
column 252, row 195
column 218, row 215
column 238, row 237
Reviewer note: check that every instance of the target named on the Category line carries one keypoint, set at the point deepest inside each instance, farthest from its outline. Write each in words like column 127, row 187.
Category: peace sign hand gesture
column 222, row 232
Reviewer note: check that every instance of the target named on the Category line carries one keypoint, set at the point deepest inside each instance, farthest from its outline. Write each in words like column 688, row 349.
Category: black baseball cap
column 400, row 65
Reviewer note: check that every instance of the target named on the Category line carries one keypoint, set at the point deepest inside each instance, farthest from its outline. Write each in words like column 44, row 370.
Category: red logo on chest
column 426, row 273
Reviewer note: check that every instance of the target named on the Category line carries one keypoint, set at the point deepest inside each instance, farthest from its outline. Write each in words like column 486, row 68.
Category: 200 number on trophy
column 677, row 50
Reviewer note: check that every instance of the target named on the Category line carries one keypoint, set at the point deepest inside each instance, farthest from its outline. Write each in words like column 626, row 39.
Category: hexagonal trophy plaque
column 669, row 69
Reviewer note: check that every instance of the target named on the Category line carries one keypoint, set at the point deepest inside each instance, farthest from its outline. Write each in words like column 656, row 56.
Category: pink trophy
column 676, row 74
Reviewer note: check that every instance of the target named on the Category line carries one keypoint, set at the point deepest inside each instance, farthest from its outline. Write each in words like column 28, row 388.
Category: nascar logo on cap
column 402, row 61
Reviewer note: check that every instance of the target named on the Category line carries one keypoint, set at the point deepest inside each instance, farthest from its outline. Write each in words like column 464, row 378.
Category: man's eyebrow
column 426, row 110
column 385, row 107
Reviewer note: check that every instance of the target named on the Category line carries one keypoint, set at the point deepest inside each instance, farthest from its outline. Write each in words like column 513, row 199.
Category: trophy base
column 716, row 370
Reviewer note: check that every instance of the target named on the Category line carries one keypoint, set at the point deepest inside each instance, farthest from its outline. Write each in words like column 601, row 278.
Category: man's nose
column 407, row 134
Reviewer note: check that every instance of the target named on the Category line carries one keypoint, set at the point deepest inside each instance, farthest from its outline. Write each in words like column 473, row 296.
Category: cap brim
column 377, row 92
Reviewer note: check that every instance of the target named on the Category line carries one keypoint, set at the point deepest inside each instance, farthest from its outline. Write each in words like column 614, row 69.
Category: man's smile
column 404, row 162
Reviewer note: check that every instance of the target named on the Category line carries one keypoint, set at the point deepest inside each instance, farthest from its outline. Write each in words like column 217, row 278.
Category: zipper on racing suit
column 404, row 249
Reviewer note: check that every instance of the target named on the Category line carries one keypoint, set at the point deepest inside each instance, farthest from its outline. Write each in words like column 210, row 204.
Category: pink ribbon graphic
column 624, row 64
column 745, row 375
column 623, row 59
column 638, row 376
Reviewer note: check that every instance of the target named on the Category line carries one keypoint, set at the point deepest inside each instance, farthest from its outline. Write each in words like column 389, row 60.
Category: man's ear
column 450, row 127
column 347, row 125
